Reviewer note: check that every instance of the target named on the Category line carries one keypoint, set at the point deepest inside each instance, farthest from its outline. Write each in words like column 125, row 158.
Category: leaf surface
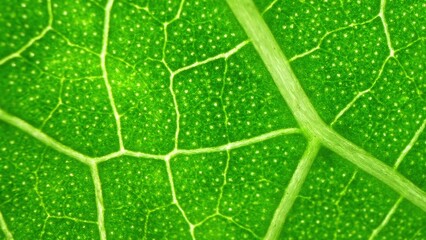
column 165, row 120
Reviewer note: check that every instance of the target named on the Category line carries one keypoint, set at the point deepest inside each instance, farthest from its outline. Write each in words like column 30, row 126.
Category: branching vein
column 54, row 144
column 32, row 40
column 312, row 126
column 174, row 197
column 219, row 56
column 401, row 157
column 105, row 73
column 42, row 137
column 360, row 94
column 303, row 110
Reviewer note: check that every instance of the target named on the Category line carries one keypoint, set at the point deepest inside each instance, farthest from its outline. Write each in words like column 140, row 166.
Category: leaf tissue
column 202, row 119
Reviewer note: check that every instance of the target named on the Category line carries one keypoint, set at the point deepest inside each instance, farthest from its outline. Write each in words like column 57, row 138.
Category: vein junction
column 305, row 114
column 105, row 73
column 93, row 161
column 47, row 140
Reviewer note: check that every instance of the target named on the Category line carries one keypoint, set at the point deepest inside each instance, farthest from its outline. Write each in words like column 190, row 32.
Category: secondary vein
column 99, row 200
column 42, row 137
column 4, row 228
column 105, row 72
column 303, row 110
column 292, row 190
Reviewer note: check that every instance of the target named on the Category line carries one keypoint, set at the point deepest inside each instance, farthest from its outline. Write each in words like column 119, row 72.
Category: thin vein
column 171, row 79
column 58, row 104
column 228, row 151
column 401, row 157
column 360, row 94
column 348, row 106
column 174, row 197
column 219, row 56
column 225, row 147
column 144, row 155
column 177, row 112
column 269, row 7
column 4, row 228
column 301, row 55
column 72, row 44
column 179, row 12
column 386, row 28
column 241, row 143
column 73, row 219
column 410, row 145
column 207, row 218
column 39, row 194
column 103, row 54
column 337, row 202
column 241, row 226
column 385, row 221
column 50, row 13
column 32, row 40
column 320, row 42
column 292, row 190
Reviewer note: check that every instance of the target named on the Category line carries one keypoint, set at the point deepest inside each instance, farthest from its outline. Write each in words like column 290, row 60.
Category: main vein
column 303, row 110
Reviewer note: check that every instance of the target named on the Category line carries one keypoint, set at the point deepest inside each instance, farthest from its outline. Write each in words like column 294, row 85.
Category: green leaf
column 203, row 120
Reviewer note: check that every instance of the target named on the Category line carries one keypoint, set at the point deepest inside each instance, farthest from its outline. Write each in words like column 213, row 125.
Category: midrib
column 304, row 112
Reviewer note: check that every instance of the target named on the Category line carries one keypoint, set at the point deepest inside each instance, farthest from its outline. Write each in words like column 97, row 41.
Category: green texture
column 212, row 119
